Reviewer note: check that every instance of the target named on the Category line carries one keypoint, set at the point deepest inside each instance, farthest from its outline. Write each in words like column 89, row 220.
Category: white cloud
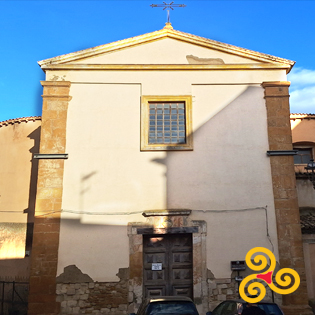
column 302, row 90
column 303, row 100
column 302, row 77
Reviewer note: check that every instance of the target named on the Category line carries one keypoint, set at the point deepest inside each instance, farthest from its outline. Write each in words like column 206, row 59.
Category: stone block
column 221, row 281
column 80, row 291
column 76, row 297
column 72, row 303
column 130, row 297
column 122, row 307
column 212, row 285
column 71, row 291
column 77, row 285
column 59, row 298
column 221, row 297
column 63, row 290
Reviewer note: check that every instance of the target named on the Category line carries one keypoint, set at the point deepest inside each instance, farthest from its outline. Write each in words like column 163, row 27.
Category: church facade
column 163, row 158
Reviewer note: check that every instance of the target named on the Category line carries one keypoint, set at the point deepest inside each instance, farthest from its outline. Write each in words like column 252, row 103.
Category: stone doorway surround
column 168, row 222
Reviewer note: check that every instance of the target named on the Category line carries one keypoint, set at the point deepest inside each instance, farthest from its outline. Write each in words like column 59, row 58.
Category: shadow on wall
column 30, row 210
column 13, row 234
column 227, row 170
column 222, row 164
column 303, row 130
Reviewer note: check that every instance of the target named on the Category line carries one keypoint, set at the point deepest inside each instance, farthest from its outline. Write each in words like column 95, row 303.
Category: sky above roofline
column 36, row 30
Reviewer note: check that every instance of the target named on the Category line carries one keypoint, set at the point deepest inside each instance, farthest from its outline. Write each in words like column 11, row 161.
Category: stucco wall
column 306, row 193
column 170, row 51
column 18, row 141
column 309, row 254
column 106, row 173
column 303, row 130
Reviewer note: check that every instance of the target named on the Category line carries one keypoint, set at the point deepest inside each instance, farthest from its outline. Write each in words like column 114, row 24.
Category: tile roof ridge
column 19, row 120
column 294, row 116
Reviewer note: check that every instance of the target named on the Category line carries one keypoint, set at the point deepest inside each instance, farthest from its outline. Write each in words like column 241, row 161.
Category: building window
column 303, row 156
column 166, row 123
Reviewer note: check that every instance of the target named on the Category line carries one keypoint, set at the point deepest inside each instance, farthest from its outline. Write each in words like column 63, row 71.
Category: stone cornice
column 170, row 67
column 166, row 212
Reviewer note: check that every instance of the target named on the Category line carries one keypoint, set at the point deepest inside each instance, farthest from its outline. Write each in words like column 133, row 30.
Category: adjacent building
column 303, row 137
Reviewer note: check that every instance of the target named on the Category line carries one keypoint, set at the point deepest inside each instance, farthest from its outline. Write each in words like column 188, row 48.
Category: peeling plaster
column 204, row 61
column 72, row 274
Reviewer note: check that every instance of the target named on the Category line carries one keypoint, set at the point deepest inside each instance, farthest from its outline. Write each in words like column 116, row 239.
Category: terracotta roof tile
column 19, row 120
column 302, row 116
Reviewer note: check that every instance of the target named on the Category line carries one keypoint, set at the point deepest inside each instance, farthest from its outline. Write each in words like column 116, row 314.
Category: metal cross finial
column 168, row 6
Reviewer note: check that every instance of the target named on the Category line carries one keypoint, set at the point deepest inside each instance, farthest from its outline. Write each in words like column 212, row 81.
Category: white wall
column 106, row 173
column 109, row 182
column 163, row 51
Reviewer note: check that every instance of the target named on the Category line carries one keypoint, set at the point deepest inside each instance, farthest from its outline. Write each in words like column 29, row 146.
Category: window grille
column 167, row 123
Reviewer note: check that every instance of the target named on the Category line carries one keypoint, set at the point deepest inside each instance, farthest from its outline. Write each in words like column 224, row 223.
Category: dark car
column 166, row 305
column 235, row 307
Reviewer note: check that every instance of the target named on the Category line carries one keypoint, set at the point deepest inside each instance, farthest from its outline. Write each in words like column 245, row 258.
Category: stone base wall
column 93, row 298
column 221, row 290
column 227, row 289
column 111, row 298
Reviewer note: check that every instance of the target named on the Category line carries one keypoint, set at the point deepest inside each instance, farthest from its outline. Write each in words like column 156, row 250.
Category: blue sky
column 35, row 30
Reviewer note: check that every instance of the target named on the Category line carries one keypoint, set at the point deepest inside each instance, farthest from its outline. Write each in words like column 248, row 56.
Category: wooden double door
column 168, row 265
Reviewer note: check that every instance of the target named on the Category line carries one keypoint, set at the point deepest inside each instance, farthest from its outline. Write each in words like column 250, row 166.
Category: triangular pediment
column 166, row 46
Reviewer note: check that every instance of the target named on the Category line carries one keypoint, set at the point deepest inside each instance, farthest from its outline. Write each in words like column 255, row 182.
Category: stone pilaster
column 44, row 256
column 285, row 194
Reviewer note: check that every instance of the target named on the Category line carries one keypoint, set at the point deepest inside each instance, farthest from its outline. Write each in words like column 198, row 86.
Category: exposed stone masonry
column 78, row 294
column 111, row 298
column 221, row 290
column 227, row 289
column 93, row 298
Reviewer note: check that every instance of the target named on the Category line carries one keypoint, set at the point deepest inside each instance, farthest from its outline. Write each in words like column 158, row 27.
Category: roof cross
column 168, row 6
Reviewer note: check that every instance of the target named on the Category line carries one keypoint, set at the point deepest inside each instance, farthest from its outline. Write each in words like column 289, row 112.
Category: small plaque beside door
column 156, row 266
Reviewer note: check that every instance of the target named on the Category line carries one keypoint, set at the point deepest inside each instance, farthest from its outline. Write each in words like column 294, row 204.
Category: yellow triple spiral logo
column 260, row 264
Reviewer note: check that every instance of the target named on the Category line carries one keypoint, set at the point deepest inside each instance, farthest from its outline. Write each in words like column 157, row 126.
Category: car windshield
column 171, row 307
column 270, row 309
